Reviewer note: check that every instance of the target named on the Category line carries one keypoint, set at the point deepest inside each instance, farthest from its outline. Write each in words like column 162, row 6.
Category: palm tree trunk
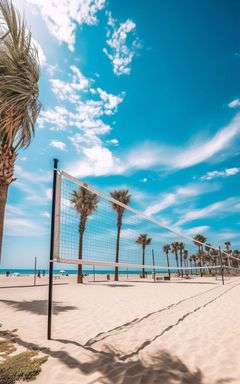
column 176, row 256
column 200, row 260
column 7, row 161
column 3, row 199
column 80, row 268
column 187, row 270
column 143, row 261
column 181, row 264
column 169, row 274
column 117, row 252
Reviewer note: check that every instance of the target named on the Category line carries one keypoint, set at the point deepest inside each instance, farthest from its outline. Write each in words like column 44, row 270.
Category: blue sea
column 74, row 271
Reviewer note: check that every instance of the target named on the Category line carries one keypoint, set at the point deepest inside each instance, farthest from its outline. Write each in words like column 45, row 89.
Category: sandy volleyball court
column 129, row 332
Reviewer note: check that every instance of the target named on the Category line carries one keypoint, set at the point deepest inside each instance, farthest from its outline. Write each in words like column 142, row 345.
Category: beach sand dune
column 130, row 332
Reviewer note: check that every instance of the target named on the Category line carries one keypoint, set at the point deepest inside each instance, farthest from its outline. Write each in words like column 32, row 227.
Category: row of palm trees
column 206, row 255
column 85, row 203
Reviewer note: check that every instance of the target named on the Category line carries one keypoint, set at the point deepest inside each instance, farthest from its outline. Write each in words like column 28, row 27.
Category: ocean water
column 74, row 271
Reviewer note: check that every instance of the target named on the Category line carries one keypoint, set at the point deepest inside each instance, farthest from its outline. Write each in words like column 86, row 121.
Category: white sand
column 129, row 332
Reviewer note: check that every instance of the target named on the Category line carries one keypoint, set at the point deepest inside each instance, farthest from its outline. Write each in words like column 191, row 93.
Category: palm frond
column 19, row 75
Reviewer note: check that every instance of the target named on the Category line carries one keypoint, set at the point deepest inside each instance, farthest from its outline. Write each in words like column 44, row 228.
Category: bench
column 163, row 278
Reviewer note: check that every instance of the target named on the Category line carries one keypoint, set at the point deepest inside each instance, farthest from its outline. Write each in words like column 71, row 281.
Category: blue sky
column 138, row 94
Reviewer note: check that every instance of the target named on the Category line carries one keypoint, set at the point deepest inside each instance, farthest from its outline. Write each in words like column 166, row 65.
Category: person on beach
column 39, row 274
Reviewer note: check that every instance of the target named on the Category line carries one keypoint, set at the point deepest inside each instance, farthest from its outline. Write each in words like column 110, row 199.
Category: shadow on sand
column 164, row 368
column 107, row 368
column 38, row 307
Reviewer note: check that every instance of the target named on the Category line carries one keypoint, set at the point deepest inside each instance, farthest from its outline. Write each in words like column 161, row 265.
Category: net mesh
column 93, row 226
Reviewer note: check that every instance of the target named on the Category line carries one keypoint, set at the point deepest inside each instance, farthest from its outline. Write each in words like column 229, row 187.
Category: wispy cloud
column 196, row 152
column 234, row 104
column 58, row 145
column 23, row 227
column 179, row 196
column 62, row 17
column 154, row 156
column 123, row 44
column 226, row 173
column 217, row 208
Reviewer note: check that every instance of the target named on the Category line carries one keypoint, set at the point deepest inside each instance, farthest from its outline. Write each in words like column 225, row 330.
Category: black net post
column 50, row 285
column 35, row 271
column 153, row 261
column 222, row 271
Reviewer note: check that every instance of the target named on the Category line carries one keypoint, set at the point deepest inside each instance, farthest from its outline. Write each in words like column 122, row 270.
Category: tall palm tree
column 123, row 196
column 199, row 240
column 194, row 258
column 85, row 202
column 19, row 105
column 228, row 245
column 214, row 255
column 190, row 261
column 208, row 249
column 144, row 241
column 228, row 251
column 167, row 249
column 181, row 248
column 185, row 258
column 175, row 248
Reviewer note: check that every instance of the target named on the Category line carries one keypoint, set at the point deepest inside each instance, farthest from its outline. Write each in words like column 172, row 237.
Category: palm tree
column 144, row 241
column 181, row 248
column 194, row 258
column 228, row 245
column 175, row 248
column 228, row 251
column 190, row 261
column 19, row 105
column 85, row 202
column 123, row 196
column 167, row 249
column 199, row 240
column 185, row 257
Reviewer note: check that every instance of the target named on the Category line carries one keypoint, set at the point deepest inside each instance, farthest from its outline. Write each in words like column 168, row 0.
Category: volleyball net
column 95, row 229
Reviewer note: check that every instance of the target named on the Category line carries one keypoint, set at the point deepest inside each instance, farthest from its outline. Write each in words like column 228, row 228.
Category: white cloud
column 165, row 202
column 234, row 104
column 114, row 142
column 37, row 177
column 86, row 116
column 227, row 172
column 194, row 230
column 196, row 152
column 179, row 196
column 41, row 55
column 97, row 161
column 151, row 155
column 123, row 44
column 214, row 209
column 62, row 17
column 46, row 214
column 22, row 227
column 58, row 144
column 70, row 90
